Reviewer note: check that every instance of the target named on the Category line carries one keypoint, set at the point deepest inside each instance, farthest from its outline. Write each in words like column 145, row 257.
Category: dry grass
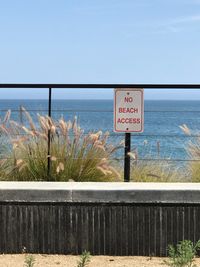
column 153, row 171
column 193, row 150
column 74, row 155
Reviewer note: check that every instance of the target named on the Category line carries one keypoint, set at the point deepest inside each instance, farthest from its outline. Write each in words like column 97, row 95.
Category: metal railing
column 127, row 136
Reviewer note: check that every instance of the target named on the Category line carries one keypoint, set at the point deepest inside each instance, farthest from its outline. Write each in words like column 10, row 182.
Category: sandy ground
column 71, row 261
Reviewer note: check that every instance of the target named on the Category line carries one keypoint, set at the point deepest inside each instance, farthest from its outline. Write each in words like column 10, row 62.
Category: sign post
column 127, row 161
column 128, row 117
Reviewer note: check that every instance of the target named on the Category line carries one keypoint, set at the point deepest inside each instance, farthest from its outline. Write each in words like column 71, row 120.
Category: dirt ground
column 96, row 261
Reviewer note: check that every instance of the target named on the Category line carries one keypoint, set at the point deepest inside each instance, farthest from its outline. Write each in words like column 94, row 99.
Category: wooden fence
column 103, row 218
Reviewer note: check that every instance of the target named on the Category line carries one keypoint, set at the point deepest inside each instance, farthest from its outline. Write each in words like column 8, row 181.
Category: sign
column 128, row 110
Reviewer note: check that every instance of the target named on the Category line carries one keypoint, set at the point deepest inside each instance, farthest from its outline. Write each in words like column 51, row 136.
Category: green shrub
column 183, row 254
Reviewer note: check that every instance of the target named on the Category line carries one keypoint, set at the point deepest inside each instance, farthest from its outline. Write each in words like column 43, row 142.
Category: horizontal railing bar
column 101, row 86
column 111, row 159
column 96, row 110
column 63, row 159
column 118, row 134
column 167, row 160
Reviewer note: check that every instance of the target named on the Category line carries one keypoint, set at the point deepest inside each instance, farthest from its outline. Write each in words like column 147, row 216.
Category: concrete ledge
column 100, row 192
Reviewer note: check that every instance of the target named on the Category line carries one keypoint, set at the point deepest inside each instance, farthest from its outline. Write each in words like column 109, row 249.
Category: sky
column 101, row 41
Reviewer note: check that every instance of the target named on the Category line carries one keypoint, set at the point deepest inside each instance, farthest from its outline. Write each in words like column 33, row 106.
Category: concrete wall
column 103, row 218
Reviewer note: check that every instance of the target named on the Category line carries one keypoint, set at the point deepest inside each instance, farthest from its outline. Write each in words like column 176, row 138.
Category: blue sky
column 101, row 41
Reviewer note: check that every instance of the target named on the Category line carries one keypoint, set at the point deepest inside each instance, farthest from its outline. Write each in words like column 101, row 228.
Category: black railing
column 50, row 87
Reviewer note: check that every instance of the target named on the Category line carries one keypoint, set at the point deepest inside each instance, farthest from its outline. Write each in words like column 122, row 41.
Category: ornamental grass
column 149, row 170
column 74, row 155
column 193, row 150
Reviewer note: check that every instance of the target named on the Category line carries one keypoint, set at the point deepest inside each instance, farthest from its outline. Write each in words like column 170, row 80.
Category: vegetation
column 74, row 155
column 29, row 261
column 193, row 150
column 150, row 171
column 183, row 254
column 84, row 259
column 83, row 262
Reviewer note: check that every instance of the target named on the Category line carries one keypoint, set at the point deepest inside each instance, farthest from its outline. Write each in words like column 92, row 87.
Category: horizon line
column 92, row 99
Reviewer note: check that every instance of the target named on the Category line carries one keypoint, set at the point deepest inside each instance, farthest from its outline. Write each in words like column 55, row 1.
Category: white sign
column 128, row 110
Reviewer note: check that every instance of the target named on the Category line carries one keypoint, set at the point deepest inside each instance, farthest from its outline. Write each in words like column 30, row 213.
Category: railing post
column 49, row 138
column 127, row 160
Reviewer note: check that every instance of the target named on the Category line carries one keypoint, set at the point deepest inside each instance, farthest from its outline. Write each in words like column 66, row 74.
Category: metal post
column 49, row 138
column 127, row 162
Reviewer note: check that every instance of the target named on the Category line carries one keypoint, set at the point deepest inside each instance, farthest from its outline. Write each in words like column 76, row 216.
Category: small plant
column 183, row 254
column 29, row 261
column 84, row 259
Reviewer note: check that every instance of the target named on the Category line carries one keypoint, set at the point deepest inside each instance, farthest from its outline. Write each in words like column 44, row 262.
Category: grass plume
column 74, row 155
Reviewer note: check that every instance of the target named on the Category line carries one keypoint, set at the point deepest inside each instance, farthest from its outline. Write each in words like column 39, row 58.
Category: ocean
column 162, row 137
